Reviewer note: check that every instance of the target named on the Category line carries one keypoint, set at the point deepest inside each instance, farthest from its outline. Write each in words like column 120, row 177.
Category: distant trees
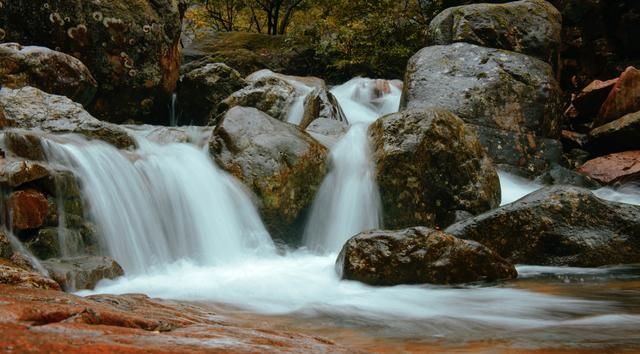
column 274, row 16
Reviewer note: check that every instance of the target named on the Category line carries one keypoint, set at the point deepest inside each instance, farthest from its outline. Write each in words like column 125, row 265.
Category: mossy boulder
column 428, row 166
column 419, row 255
column 281, row 164
column 131, row 48
column 531, row 27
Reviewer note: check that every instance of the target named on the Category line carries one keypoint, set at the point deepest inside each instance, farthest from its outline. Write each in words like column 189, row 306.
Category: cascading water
column 348, row 201
column 163, row 203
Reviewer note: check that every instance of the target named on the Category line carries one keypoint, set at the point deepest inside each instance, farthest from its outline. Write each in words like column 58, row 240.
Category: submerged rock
column 531, row 27
column 131, row 48
column 201, row 90
column 282, row 165
column 30, row 108
column 50, row 71
column 494, row 89
column 84, row 272
column 428, row 166
column 419, row 255
column 558, row 225
column 618, row 167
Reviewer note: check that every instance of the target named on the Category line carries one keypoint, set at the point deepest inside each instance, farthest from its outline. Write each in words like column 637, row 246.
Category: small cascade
column 163, row 203
column 348, row 201
column 296, row 111
column 173, row 114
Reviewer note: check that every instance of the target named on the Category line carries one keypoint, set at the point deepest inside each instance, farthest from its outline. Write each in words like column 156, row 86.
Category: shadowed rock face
column 48, row 70
column 282, row 165
column 428, row 165
column 419, row 255
column 131, row 48
column 83, row 272
column 531, row 27
column 558, row 225
column 53, row 321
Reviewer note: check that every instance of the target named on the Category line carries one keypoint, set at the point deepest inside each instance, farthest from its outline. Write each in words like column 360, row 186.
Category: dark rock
column 419, row 255
column 131, row 48
column 50, row 71
column 321, row 104
column 281, row 164
column 49, row 242
column 558, row 225
column 573, row 140
column 201, row 90
column 531, row 27
column 619, row 167
column 30, row 108
column 12, row 274
column 561, row 175
column 85, row 272
column 624, row 98
column 24, row 144
column 428, row 165
column 5, row 246
column 619, row 135
column 588, row 102
column 28, row 209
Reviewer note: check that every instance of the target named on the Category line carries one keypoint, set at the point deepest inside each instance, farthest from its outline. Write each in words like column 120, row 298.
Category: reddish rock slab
column 49, row 321
column 588, row 102
column 28, row 209
column 22, row 277
column 618, row 167
column 624, row 98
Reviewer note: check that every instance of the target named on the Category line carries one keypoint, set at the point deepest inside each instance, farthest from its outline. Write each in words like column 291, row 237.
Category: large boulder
column 490, row 88
column 201, row 90
column 84, row 272
column 131, row 48
column 30, row 108
column 282, row 165
column 619, row 167
column 28, row 209
column 531, row 27
column 558, row 225
column 428, row 165
column 48, row 70
column 619, row 135
column 419, row 255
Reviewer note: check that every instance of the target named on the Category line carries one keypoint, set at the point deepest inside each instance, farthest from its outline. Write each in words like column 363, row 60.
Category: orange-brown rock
column 23, row 277
column 28, row 209
column 618, row 167
column 49, row 321
column 624, row 97
column 588, row 102
column 16, row 172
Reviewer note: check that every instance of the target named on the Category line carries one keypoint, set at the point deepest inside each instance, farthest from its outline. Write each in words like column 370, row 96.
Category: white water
column 163, row 203
column 348, row 200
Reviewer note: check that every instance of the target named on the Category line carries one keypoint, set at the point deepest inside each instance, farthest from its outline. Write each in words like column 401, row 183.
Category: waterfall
column 348, row 200
column 162, row 203
column 173, row 114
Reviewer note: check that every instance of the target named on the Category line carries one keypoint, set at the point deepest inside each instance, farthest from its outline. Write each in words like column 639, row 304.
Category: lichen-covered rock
column 490, row 88
column 49, row 242
column 50, row 71
column 201, row 90
column 15, row 275
column 624, row 98
column 619, row 135
column 84, row 272
column 269, row 94
column 531, row 27
column 419, row 255
column 282, row 165
column 5, row 246
column 30, row 108
column 28, row 209
column 131, row 48
column 619, row 167
column 428, row 165
column 558, row 225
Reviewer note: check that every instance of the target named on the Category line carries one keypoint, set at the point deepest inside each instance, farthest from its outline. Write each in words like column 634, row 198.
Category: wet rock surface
column 131, row 48
column 419, row 255
column 428, row 165
column 83, row 272
column 28, row 209
column 53, row 72
column 531, row 27
column 201, row 90
column 624, row 98
column 558, row 225
column 23, row 277
column 30, row 108
column 619, row 167
column 282, row 165
column 52, row 321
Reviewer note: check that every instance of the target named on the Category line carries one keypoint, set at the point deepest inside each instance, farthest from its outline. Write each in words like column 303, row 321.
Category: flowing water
column 185, row 230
